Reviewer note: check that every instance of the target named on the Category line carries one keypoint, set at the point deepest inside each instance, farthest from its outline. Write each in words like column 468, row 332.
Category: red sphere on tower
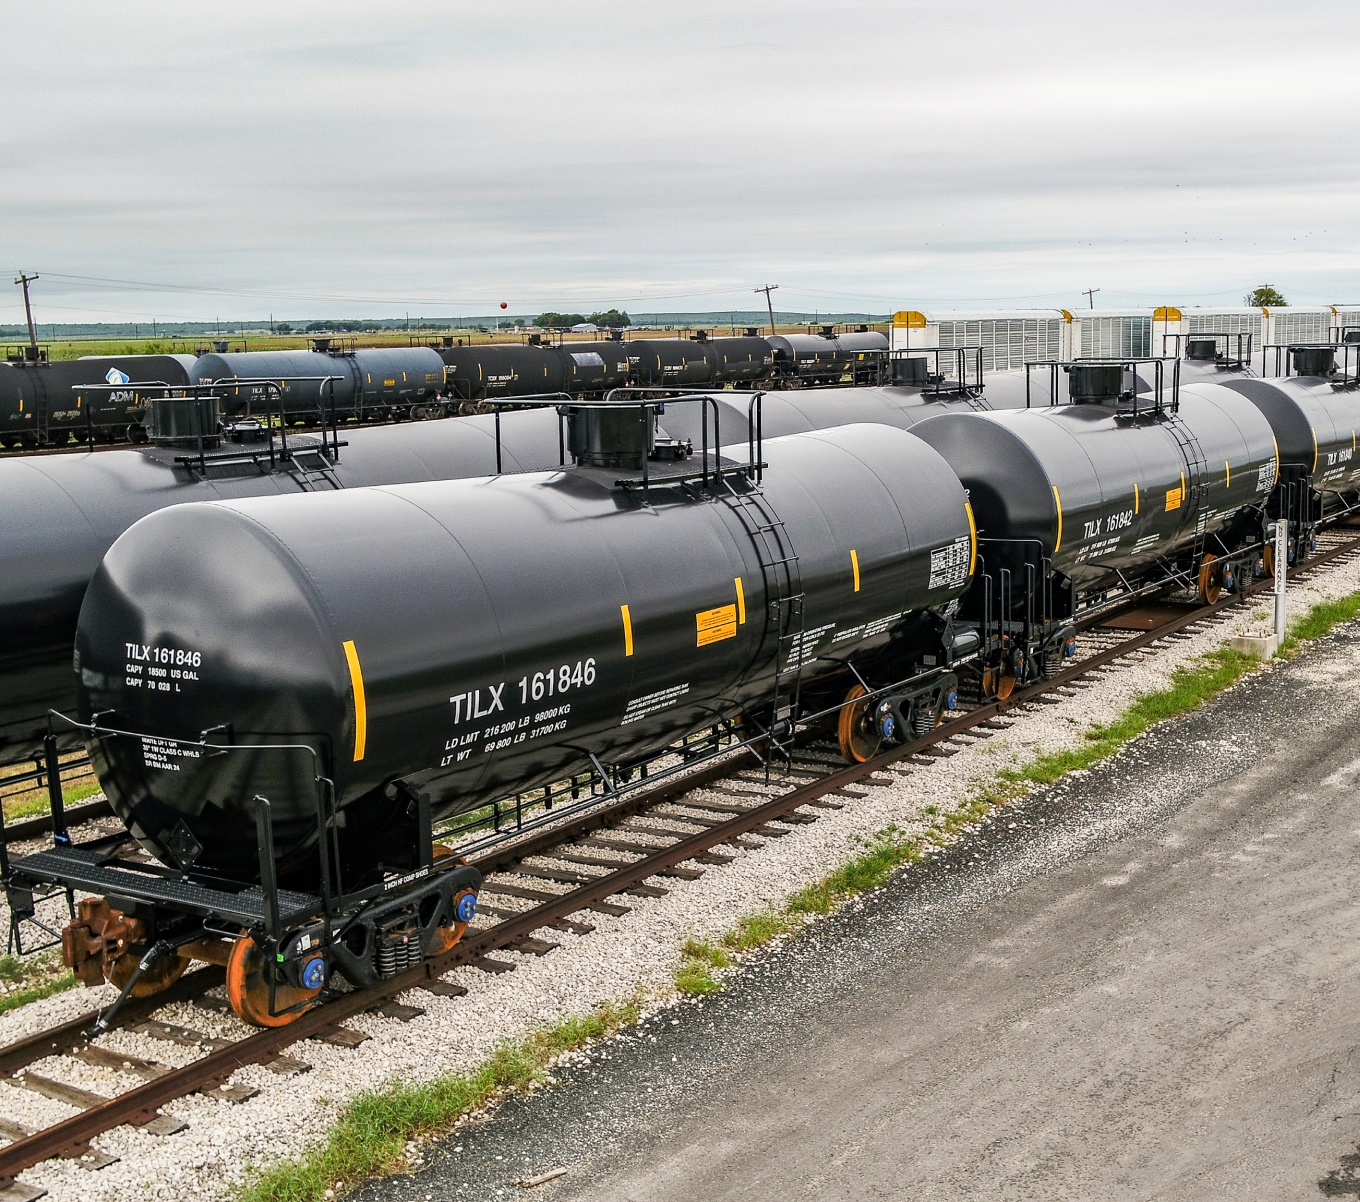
column 504, row 305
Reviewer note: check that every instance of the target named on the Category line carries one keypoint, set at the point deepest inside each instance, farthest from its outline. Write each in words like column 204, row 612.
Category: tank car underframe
column 1025, row 612
column 146, row 921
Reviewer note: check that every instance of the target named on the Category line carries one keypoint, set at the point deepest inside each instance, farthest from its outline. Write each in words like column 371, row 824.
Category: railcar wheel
column 1210, row 585
column 164, row 972
column 995, row 684
column 859, row 739
column 465, row 903
column 248, row 988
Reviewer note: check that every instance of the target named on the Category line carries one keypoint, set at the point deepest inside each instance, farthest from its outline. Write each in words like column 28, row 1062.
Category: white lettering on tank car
column 949, row 564
column 162, row 753
column 1265, row 477
column 639, row 707
column 469, row 705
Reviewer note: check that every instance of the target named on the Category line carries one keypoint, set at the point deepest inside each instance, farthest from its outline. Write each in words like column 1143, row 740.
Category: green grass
column 25, row 805
column 369, row 1139
column 887, row 851
column 1318, row 621
column 1191, row 685
column 25, row 981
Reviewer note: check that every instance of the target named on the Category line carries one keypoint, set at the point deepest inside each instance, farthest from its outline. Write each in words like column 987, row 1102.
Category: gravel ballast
column 638, row 950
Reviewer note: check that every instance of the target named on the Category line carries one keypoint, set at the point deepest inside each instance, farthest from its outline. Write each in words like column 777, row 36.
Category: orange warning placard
column 714, row 625
column 1173, row 498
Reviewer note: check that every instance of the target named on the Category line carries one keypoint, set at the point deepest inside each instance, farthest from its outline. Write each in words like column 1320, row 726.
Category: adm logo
column 114, row 376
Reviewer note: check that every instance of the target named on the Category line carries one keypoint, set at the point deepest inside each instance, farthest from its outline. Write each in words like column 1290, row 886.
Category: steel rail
column 140, row 1104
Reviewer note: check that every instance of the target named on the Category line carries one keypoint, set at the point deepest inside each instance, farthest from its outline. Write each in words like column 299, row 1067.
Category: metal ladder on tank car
column 311, row 476
column 784, row 606
column 1197, row 472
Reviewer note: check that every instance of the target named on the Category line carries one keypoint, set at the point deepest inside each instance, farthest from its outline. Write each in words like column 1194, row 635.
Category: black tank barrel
column 1099, row 491
column 482, row 637
column 62, row 512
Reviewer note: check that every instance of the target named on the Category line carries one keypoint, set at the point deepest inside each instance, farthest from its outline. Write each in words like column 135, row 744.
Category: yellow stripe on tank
column 741, row 604
column 1057, row 500
column 1315, row 455
column 356, row 680
column 854, row 563
column 1135, row 498
column 1228, row 469
column 972, row 535
column 627, row 630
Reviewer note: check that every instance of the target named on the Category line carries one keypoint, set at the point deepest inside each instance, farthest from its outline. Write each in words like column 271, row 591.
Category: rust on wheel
column 164, row 972
column 248, row 988
column 859, row 739
column 994, row 684
column 1209, row 580
column 446, row 937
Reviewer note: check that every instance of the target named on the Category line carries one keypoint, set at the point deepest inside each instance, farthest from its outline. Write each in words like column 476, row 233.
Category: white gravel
column 623, row 954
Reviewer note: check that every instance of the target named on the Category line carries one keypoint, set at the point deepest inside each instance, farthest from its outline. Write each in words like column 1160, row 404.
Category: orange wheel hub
column 248, row 988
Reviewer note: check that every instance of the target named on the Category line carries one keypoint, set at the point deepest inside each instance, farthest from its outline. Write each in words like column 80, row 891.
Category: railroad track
column 611, row 837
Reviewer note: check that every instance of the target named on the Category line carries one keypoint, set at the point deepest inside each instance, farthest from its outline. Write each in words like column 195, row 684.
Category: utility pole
column 1090, row 295
column 25, row 280
column 769, row 304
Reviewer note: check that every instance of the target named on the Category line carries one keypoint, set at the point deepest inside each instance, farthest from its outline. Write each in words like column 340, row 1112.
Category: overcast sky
column 195, row 161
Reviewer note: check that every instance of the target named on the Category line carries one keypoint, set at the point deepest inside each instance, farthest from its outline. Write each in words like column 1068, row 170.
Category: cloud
column 452, row 156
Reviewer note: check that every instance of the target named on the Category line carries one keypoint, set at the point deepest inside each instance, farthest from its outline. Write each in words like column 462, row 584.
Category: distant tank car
column 1081, row 504
column 857, row 357
column 41, row 404
column 362, row 385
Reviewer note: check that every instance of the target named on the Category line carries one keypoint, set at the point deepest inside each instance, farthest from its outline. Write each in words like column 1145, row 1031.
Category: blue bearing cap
column 951, row 699
column 467, row 907
column 314, row 973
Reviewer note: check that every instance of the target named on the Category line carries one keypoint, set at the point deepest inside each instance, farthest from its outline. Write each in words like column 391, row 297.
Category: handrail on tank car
column 276, row 393
column 1128, row 363
column 1232, row 362
column 331, row 451
column 647, row 402
column 1350, row 377
column 935, row 381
